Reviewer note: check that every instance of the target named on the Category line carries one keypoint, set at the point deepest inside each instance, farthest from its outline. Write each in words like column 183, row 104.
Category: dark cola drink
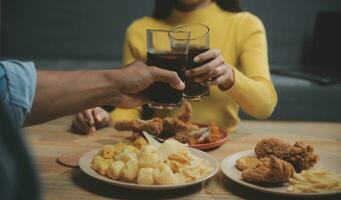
column 160, row 94
column 193, row 90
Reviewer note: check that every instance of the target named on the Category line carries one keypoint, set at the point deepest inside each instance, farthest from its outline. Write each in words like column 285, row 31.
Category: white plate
column 85, row 160
column 327, row 161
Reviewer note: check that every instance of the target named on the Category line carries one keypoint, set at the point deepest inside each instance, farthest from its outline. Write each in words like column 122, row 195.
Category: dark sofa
column 68, row 34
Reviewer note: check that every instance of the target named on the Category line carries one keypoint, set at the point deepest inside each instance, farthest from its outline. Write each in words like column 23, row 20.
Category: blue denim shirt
column 17, row 87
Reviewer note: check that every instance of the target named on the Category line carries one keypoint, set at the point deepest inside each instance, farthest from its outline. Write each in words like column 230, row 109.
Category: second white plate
column 327, row 161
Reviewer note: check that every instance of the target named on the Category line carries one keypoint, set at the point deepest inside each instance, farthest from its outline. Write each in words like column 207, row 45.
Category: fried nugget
column 140, row 142
column 108, row 151
column 163, row 175
column 271, row 170
column 247, row 162
column 300, row 155
column 145, row 176
column 115, row 170
column 153, row 126
column 130, row 171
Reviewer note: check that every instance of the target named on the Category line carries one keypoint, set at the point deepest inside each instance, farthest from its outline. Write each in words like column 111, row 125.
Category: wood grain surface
column 48, row 141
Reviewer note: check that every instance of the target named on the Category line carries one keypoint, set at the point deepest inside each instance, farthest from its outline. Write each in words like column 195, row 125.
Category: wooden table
column 49, row 140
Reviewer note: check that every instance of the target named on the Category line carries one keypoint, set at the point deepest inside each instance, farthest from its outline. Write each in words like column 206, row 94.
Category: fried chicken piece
column 303, row 156
column 171, row 126
column 271, row 170
column 182, row 137
column 300, row 155
column 153, row 126
column 272, row 146
column 214, row 132
column 192, row 135
column 247, row 162
column 186, row 115
column 196, row 135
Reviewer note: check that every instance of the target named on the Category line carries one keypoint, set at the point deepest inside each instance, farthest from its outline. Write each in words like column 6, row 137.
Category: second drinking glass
column 199, row 43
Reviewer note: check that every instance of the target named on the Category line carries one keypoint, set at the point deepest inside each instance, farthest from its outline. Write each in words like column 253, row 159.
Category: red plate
column 207, row 146
column 211, row 145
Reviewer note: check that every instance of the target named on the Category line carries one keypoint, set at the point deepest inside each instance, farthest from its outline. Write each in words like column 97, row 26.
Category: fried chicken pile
column 167, row 126
column 179, row 128
column 300, row 155
column 269, row 170
column 276, row 161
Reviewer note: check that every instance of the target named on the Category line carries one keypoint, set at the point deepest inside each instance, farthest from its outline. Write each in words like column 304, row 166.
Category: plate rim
column 215, row 143
column 203, row 146
column 256, row 187
column 86, row 166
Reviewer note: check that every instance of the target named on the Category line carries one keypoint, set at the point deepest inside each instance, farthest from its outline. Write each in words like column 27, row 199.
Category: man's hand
column 60, row 93
column 137, row 77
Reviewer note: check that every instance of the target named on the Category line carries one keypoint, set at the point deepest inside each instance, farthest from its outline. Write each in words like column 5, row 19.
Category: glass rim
column 194, row 24
column 172, row 31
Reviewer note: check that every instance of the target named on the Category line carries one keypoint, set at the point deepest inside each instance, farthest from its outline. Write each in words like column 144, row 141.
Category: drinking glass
column 199, row 43
column 167, row 50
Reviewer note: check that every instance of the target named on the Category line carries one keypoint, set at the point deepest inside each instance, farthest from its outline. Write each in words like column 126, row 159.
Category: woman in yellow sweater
column 238, row 74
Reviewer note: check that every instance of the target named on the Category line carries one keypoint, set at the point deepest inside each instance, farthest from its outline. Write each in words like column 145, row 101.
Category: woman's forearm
column 255, row 95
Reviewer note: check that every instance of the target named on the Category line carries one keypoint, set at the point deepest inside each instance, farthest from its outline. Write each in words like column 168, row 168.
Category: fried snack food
column 214, row 132
column 115, row 170
column 149, row 157
column 300, row 155
column 179, row 128
column 315, row 180
column 140, row 142
column 153, row 126
column 247, row 162
column 108, row 151
column 171, row 163
column 271, row 170
column 130, row 171
column 186, row 115
column 171, row 126
column 145, row 176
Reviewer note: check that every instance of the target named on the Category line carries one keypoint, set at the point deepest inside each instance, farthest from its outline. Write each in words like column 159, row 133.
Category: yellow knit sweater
column 242, row 40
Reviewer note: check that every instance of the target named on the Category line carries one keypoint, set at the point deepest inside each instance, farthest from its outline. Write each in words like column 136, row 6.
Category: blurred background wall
column 0, row 25
column 94, row 30
column 69, row 34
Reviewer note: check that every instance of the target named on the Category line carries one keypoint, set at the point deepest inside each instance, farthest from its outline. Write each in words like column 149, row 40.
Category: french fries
column 315, row 180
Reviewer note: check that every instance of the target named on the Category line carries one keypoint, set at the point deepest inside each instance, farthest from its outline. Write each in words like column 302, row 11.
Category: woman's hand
column 88, row 121
column 215, row 72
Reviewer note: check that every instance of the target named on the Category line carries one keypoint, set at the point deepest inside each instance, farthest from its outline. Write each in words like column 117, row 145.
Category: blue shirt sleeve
column 21, row 80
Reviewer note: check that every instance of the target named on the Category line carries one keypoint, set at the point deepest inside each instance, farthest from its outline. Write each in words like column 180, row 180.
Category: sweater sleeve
column 130, row 54
column 253, row 90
